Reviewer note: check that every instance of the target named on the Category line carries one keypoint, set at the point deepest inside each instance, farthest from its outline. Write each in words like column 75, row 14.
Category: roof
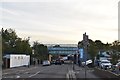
column 8, row 55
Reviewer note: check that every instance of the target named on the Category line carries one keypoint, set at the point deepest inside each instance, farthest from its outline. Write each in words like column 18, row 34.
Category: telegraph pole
column 85, row 46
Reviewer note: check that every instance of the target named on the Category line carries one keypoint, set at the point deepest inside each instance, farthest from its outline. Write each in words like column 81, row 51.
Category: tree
column 23, row 46
column 99, row 45
column 115, row 57
column 11, row 43
column 80, row 44
column 116, row 45
column 40, row 50
column 8, row 40
column 107, row 46
column 92, row 49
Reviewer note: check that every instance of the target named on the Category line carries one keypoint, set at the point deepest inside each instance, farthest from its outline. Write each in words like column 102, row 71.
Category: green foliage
column 95, row 46
column 40, row 51
column 99, row 44
column 115, row 57
column 92, row 49
column 11, row 43
column 116, row 45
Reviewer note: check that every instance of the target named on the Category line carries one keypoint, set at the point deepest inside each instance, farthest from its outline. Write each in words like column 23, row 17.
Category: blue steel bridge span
column 62, row 50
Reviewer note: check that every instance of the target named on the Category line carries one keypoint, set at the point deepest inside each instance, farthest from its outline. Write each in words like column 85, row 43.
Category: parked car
column 118, row 65
column 88, row 62
column 83, row 64
column 58, row 62
column 53, row 62
column 46, row 63
column 62, row 61
column 105, row 64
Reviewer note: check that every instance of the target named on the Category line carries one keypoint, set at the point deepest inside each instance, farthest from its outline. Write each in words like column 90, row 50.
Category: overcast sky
column 61, row 21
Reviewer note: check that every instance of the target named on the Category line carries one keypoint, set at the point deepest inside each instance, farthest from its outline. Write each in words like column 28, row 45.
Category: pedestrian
column 38, row 61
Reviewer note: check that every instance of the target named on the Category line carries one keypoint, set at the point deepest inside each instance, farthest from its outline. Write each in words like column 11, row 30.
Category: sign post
column 85, row 47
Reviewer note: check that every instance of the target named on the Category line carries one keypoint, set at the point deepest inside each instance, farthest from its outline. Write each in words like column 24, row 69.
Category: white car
column 87, row 62
column 46, row 63
column 105, row 64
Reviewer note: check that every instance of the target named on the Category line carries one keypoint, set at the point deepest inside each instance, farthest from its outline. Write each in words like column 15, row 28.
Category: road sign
column 81, row 52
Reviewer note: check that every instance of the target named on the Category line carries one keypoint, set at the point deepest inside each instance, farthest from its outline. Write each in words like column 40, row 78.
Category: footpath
column 17, row 69
column 79, row 73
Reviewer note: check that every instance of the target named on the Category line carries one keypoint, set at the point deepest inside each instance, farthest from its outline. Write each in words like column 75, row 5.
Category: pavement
column 105, row 73
column 93, row 73
column 80, row 72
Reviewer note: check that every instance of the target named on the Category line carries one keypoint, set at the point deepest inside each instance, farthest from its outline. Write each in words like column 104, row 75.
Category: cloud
column 3, row 10
column 62, row 20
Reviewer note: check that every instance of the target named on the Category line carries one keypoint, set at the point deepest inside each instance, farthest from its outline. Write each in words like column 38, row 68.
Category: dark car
column 53, row 62
column 58, row 62
column 62, row 61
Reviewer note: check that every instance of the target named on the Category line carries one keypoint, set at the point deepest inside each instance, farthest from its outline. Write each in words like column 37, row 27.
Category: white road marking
column 71, row 74
column 17, row 76
column 34, row 74
column 67, row 76
column 26, row 72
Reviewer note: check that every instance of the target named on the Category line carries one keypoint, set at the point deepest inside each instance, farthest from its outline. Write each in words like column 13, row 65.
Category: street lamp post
column 72, row 61
column 33, row 52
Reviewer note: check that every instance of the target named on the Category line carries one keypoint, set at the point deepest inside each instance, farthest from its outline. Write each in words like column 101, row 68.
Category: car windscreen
column 105, row 62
